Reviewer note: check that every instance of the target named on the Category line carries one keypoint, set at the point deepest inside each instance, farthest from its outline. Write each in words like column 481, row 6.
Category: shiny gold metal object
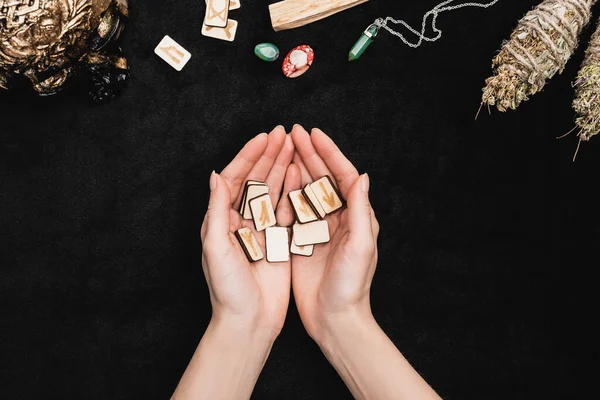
column 49, row 41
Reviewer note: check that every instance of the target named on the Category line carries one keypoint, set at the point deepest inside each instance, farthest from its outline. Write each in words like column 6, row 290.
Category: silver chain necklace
column 372, row 30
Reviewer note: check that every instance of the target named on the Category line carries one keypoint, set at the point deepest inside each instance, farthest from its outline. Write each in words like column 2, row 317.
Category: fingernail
column 261, row 134
column 298, row 126
column 280, row 127
column 365, row 183
column 213, row 181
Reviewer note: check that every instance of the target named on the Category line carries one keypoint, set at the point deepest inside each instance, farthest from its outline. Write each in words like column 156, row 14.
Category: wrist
column 241, row 330
column 227, row 362
column 335, row 326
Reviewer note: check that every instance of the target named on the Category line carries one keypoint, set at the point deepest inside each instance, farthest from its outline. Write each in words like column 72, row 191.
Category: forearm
column 226, row 364
column 369, row 363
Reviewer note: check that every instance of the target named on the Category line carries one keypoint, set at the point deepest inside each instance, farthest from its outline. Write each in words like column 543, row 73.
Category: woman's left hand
column 244, row 295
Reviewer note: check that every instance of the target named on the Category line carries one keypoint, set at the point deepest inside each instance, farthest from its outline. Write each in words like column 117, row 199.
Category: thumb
column 359, row 212
column 219, row 205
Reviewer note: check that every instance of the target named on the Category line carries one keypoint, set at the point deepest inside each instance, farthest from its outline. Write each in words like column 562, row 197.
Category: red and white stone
column 298, row 61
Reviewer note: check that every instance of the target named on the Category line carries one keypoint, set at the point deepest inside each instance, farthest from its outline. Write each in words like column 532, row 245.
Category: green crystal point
column 266, row 52
column 362, row 43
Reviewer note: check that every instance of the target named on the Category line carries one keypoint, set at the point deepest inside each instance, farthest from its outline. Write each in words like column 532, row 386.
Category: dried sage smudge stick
column 538, row 48
column 587, row 91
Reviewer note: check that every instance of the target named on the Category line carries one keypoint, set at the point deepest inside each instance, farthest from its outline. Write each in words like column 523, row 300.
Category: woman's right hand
column 335, row 282
column 332, row 287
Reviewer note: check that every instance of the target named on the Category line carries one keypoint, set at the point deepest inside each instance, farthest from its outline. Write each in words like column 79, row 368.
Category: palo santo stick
column 291, row 14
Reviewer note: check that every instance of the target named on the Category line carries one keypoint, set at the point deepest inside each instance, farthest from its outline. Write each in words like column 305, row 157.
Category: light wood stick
column 291, row 14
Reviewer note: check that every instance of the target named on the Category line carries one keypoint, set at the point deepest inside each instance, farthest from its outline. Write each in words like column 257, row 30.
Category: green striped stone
column 266, row 52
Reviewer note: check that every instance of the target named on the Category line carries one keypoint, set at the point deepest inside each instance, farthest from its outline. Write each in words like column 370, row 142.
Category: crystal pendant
column 363, row 42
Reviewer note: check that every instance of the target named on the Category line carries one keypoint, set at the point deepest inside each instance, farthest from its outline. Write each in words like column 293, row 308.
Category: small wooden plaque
column 255, row 189
column 249, row 244
column 227, row 33
column 172, row 53
column 327, row 194
column 277, row 243
column 313, row 201
column 312, row 233
column 262, row 212
column 217, row 13
column 305, row 251
column 302, row 209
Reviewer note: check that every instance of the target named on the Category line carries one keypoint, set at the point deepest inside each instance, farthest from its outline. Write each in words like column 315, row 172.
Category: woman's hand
column 251, row 295
column 332, row 287
column 249, row 301
column 335, row 282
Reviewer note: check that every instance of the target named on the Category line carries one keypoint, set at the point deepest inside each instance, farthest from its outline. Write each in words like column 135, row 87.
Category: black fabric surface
column 485, row 279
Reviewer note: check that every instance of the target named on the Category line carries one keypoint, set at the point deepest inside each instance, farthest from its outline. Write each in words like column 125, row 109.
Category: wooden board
column 291, row 14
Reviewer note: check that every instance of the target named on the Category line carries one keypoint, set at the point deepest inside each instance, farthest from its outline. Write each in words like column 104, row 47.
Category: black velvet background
column 488, row 228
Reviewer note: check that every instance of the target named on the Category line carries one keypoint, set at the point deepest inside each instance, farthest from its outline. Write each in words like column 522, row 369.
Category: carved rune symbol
column 304, row 207
column 328, row 198
column 248, row 237
column 227, row 29
column 215, row 13
column 173, row 52
column 264, row 213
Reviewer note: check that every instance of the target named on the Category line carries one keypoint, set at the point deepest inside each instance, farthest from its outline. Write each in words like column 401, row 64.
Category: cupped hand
column 248, row 295
column 335, row 282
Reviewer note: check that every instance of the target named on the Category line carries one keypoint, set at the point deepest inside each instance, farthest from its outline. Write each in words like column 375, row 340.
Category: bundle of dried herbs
column 587, row 91
column 539, row 47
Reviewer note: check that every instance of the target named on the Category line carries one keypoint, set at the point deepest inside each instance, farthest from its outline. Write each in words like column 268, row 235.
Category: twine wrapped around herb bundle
column 587, row 91
column 538, row 48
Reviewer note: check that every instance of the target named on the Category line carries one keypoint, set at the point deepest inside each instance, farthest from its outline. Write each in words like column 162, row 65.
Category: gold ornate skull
column 49, row 41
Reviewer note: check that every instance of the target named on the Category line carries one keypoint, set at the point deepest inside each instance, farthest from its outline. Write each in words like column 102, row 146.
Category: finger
column 276, row 176
column 374, row 225
column 285, row 214
column 203, row 228
column 313, row 162
column 241, row 165
column 304, row 174
column 360, row 213
column 262, row 167
column 217, row 216
column 344, row 173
